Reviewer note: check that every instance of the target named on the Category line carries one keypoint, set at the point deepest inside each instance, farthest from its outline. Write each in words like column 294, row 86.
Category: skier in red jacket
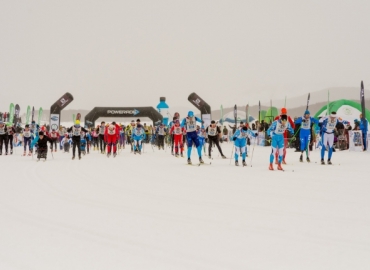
column 284, row 111
column 111, row 136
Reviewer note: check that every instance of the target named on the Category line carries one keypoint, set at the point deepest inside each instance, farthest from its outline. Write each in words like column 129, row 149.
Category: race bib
column 280, row 129
column 330, row 126
column 2, row 131
column 177, row 130
column 212, row 131
column 76, row 131
column 27, row 134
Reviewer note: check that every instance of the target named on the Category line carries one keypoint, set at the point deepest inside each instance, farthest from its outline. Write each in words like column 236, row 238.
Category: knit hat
column 307, row 112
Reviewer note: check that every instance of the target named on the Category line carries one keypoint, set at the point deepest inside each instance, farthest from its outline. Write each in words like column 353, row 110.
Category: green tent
column 271, row 114
column 346, row 109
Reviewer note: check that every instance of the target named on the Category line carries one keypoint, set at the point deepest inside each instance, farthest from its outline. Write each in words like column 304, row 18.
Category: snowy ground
column 154, row 212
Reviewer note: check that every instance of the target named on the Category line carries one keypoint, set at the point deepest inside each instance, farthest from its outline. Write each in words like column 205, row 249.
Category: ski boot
column 201, row 161
column 279, row 167
column 209, row 157
column 223, row 157
column 244, row 163
column 308, row 159
column 73, row 157
column 24, row 153
column 189, row 161
column 322, row 162
column 1, row 153
column 114, row 154
column 29, row 153
column 271, row 167
column 329, row 162
column 177, row 155
column 79, row 157
column 108, row 155
column 6, row 153
column 139, row 152
column 283, row 162
column 182, row 155
column 236, row 163
column 301, row 158
column 11, row 152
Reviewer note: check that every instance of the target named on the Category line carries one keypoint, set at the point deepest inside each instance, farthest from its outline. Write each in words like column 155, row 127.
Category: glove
column 234, row 138
column 256, row 134
column 304, row 120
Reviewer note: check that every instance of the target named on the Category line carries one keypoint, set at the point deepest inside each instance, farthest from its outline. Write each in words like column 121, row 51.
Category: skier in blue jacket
column 191, row 134
column 276, row 132
column 240, row 143
column 305, row 132
column 137, row 136
column 363, row 127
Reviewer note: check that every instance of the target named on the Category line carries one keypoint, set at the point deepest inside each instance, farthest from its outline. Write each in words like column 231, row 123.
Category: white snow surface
column 152, row 211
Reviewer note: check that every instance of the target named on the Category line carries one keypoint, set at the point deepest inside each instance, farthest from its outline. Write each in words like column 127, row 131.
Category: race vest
column 280, row 128
column 161, row 131
column 212, row 131
column 242, row 134
column 177, row 130
column 76, row 131
column 306, row 124
column 2, row 131
column 53, row 134
column 138, row 132
column 330, row 126
column 191, row 124
column 26, row 133
column 101, row 130
column 111, row 130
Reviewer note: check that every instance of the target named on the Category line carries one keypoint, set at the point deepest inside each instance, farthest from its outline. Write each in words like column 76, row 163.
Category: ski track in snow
column 151, row 211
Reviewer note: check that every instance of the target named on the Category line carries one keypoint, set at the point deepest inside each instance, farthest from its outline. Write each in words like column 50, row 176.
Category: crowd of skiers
column 190, row 132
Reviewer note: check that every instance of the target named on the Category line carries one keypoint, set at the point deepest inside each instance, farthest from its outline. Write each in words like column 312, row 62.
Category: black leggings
column 216, row 142
column 76, row 143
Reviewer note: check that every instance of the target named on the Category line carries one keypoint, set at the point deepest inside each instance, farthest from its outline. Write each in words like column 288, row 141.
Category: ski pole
column 253, row 152
column 232, row 151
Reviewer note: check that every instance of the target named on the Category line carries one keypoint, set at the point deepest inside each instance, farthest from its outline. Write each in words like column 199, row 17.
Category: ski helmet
column 190, row 113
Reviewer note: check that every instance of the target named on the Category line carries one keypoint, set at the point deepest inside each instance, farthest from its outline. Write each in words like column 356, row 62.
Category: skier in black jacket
column 76, row 138
column 42, row 143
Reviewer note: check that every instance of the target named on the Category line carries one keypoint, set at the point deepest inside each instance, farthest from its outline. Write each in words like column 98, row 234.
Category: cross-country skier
column 327, row 130
column 138, row 135
column 176, row 116
column 177, row 132
column 101, row 137
column 240, row 143
column 129, row 130
column 66, row 143
column 27, row 140
column 122, row 137
column 284, row 111
column 95, row 137
column 201, row 132
column 276, row 132
column 305, row 132
column 111, row 137
column 83, row 143
column 161, row 132
column 11, row 133
column 54, row 136
column 76, row 138
column 191, row 134
column 42, row 141
column 88, row 141
column 3, row 138
column 214, row 136
column 363, row 127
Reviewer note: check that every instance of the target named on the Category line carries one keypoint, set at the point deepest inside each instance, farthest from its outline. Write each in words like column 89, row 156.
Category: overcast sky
column 129, row 53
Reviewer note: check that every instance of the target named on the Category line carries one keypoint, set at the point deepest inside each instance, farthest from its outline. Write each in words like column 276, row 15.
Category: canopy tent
column 271, row 114
column 241, row 117
column 346, row 109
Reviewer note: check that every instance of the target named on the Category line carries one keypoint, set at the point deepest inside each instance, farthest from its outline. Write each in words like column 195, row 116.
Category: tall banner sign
column 56, row 109
column 11, row 113
column 28, row 115
column 16, row 114
column 200, row 104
